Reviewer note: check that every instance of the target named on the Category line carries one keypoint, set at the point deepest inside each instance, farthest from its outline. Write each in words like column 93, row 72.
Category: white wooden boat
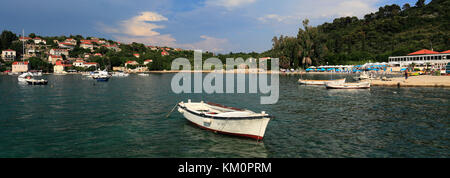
column 363, row 85
column 225, row 120
column 320, row 82
column 120, row 74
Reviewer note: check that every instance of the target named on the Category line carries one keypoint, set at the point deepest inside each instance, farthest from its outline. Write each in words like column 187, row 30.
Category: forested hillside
column 392, row 30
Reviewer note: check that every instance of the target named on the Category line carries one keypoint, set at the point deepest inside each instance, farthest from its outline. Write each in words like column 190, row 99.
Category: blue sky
column 214, row 25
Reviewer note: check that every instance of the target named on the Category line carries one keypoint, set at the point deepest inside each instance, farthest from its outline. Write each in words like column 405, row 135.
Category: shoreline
column 415, row 81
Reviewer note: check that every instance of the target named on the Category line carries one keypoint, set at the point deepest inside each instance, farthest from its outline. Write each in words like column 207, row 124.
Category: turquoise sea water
column 76, row 117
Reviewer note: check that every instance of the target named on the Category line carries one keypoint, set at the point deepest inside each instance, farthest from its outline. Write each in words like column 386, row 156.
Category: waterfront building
column 20, row 66
column 59, row 52
column 8, row 55
column 53, row 58
column 78, row 63
column 422, row 58
column 60, row 66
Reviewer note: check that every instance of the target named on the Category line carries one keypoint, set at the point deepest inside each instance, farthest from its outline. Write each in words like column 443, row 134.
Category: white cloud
column 277, row 18
column 229, row 4
column 140, row 29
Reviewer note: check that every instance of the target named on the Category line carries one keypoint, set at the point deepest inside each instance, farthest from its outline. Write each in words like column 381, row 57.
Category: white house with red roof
column 422, row 57
column 8, row 55
column 53, row 58
column 78, row 63
column 137, row 55
column 87, row 45
column 24, row 39
column 148, row 61
column 60, row 66
column 20, row 66
column 59, row 52
column 164, row 53
column 38, row 40
column 71, row 41
column 65, row 45
column 98, row 54
column 131, row 63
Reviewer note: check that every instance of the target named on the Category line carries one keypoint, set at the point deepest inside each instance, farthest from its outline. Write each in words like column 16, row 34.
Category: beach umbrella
column 403, row 69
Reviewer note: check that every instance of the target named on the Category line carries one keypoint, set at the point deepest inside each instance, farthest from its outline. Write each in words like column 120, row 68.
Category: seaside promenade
column 415, row 81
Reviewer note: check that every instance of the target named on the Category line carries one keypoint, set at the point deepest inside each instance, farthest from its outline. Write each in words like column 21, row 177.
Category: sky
column 220, row 26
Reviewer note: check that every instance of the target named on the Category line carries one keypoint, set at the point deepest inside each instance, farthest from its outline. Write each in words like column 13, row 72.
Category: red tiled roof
column 446, row 52
column 28, row 38
column 86, row 43
column 20, row 63
column 422, row 52
column 91, row 63
column 55, row 56
column 8, row 50
column 148, row 60
column 66, row 43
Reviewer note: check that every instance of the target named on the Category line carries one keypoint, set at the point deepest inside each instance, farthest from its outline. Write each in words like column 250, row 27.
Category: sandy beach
column 415, row 81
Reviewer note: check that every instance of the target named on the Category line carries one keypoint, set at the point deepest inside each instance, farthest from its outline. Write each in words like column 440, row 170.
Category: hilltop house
column 65, row 45
column 134, row 63
column 87, row 45
column 38, row 40
column 24, row 39
column 164, row 53
column 147, row 61
column 137, row 55
column 20, row 66
column 59, row 52
column 53, row 58
column 8, row 55
column 71, row 41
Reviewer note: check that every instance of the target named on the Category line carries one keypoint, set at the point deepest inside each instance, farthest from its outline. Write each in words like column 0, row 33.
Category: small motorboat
column 362, row 85
column 23, row 77
column 120, row 74
column 143, row 74
column 101, row 76
column 36, row 82
column 225, row 120
column 320, row 82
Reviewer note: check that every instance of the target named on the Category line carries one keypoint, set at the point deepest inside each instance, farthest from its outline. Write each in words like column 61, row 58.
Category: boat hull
column 320, row 82
column 348, row 86
column 253, row 128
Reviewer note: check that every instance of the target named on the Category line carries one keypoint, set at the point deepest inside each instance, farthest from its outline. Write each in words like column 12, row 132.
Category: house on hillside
column 53, row 58
column 38, row 40
column 164, row 53
column 8, row 55
column 59, row 52
column 87, row 45
column 148, row 61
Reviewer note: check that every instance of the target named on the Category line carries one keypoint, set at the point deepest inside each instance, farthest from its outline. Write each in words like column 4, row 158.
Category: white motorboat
column 225, row 120
column 320, row 82
column 120, row 74
column 362, row 85
column 101, row 76
column 143, row 74
column 23, row 77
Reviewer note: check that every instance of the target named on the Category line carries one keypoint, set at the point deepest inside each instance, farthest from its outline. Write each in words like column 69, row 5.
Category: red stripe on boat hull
column 229, row 133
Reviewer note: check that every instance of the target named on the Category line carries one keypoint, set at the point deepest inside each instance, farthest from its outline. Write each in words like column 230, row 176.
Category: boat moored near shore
column 225, row 120
column 320, row 82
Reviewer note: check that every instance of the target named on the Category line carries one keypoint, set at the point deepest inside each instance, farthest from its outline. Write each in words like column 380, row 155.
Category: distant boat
column 143, row 74
column 320, row 82
column 120, row 74
column 225, row 120
column 363, row 85
column 101, row 76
